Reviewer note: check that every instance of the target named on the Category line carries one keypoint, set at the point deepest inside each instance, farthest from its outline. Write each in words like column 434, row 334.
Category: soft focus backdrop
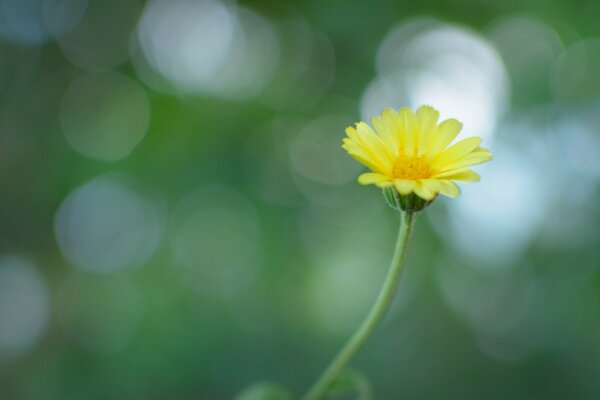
column 178, row 220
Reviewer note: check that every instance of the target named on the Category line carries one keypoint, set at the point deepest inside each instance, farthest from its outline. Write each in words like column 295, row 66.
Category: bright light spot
column 390, row 55
column 341, row 290
column 106, row 225
column 22, row 21
column 253, row 58
column 579, row 140
column 24, row 306
column 306, row 70
column 214, row 236
column 61, row 16
column 495, row 220
column 348, row 268
column 323, row 172
column 33, row 22
column 529, row 48
column 576, row 174
column 316, row 155
column 105, row 116
column 101, row 41
column 207, row 47
column 184, row 51
column 349, row 264
column 448, row 67
column 100, row 314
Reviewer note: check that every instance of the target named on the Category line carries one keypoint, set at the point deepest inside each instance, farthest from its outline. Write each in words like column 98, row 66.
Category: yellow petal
column 468, row 160
column 415, row 142
column 445, row 134
column 430, row 187
column 464, row 174
column 404, row 186
column 362, row 156
column 427, row 118
column 455, row 152
column 448, row 188
column 366, row 147
column 407, row 128
column 369, row 178
column 385, row 126
column 385, row 184
column 425, row 190
column 374, row 143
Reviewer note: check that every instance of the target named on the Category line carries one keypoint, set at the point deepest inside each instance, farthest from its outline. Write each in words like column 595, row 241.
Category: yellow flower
column 410, row 152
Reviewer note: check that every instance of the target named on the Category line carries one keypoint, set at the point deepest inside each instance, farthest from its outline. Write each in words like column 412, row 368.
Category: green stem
column 383, row 302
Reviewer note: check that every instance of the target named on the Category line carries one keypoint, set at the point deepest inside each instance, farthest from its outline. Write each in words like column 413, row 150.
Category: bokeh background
column 178, row 220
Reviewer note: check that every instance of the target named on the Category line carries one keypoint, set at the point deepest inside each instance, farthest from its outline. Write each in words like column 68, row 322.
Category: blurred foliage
column 178, row 221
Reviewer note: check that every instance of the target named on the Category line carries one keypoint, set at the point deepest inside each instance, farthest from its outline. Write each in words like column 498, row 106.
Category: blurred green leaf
column 264, row 391
column 351, row 385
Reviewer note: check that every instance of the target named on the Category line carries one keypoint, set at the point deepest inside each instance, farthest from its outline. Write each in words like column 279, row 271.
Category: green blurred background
column 178, row 220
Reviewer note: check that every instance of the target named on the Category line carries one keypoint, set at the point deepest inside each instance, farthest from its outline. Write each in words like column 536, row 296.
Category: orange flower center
column 411, row 168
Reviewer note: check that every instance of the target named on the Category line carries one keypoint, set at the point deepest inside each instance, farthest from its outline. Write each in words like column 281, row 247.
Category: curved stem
column 386, row 295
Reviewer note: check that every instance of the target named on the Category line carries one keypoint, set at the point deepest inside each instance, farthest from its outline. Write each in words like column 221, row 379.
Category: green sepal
column 392, row 197
column 405, row 202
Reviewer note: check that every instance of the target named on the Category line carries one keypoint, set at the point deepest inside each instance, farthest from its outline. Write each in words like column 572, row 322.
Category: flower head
column 411, row 152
